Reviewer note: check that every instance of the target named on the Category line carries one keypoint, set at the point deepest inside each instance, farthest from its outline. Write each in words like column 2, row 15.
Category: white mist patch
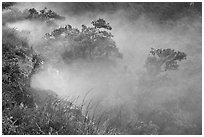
column 106, row 83
column 33, row 30
column 53, row 80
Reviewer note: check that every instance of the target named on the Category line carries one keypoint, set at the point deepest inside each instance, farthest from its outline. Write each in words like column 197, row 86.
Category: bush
column 19, row 62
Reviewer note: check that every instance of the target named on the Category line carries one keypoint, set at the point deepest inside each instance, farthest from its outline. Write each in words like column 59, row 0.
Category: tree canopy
column 87, row 43
column 43, row 14
column 7, row 4
column 164, row 59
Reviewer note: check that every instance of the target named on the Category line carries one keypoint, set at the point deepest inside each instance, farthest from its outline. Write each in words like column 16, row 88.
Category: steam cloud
column 125, row 84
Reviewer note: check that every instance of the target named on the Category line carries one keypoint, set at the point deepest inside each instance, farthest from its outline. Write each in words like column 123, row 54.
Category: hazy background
column 137, row 27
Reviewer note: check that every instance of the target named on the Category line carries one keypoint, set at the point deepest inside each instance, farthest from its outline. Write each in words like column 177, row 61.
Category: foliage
column 6, row 5
column 163, row 59
column 54, row 117
column 87, row 43
column 19, row 62
column 44, row 14
column 101, row 23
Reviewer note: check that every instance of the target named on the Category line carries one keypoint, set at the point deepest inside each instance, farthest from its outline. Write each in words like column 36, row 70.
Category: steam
column 125, row 83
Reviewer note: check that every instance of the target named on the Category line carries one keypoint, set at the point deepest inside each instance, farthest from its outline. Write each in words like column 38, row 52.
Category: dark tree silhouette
column 43, row 14
column 7, row 4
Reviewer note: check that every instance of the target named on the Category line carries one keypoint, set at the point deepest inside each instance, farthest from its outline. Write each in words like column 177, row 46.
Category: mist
column 125, row 83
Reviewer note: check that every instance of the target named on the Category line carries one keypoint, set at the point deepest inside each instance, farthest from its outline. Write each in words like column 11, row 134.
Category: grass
column 53, row 117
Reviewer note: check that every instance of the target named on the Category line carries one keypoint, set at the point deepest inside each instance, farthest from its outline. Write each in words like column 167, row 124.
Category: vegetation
column 163, row 60
column 44, row 14
column 19, row 62
column 54, row 117
column 87, row 43
column 7, row 4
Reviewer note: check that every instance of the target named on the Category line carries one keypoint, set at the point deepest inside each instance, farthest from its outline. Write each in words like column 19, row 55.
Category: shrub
column 19, row 62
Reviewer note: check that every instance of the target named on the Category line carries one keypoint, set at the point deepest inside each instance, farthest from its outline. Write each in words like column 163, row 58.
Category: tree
column 43, row 14
column 7, row 4
column 101, row 23
column 87, row 43
column 163, row 60
column 153, row 85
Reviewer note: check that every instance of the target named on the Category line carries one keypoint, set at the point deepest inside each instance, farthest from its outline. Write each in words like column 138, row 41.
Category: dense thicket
column 19, row 62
